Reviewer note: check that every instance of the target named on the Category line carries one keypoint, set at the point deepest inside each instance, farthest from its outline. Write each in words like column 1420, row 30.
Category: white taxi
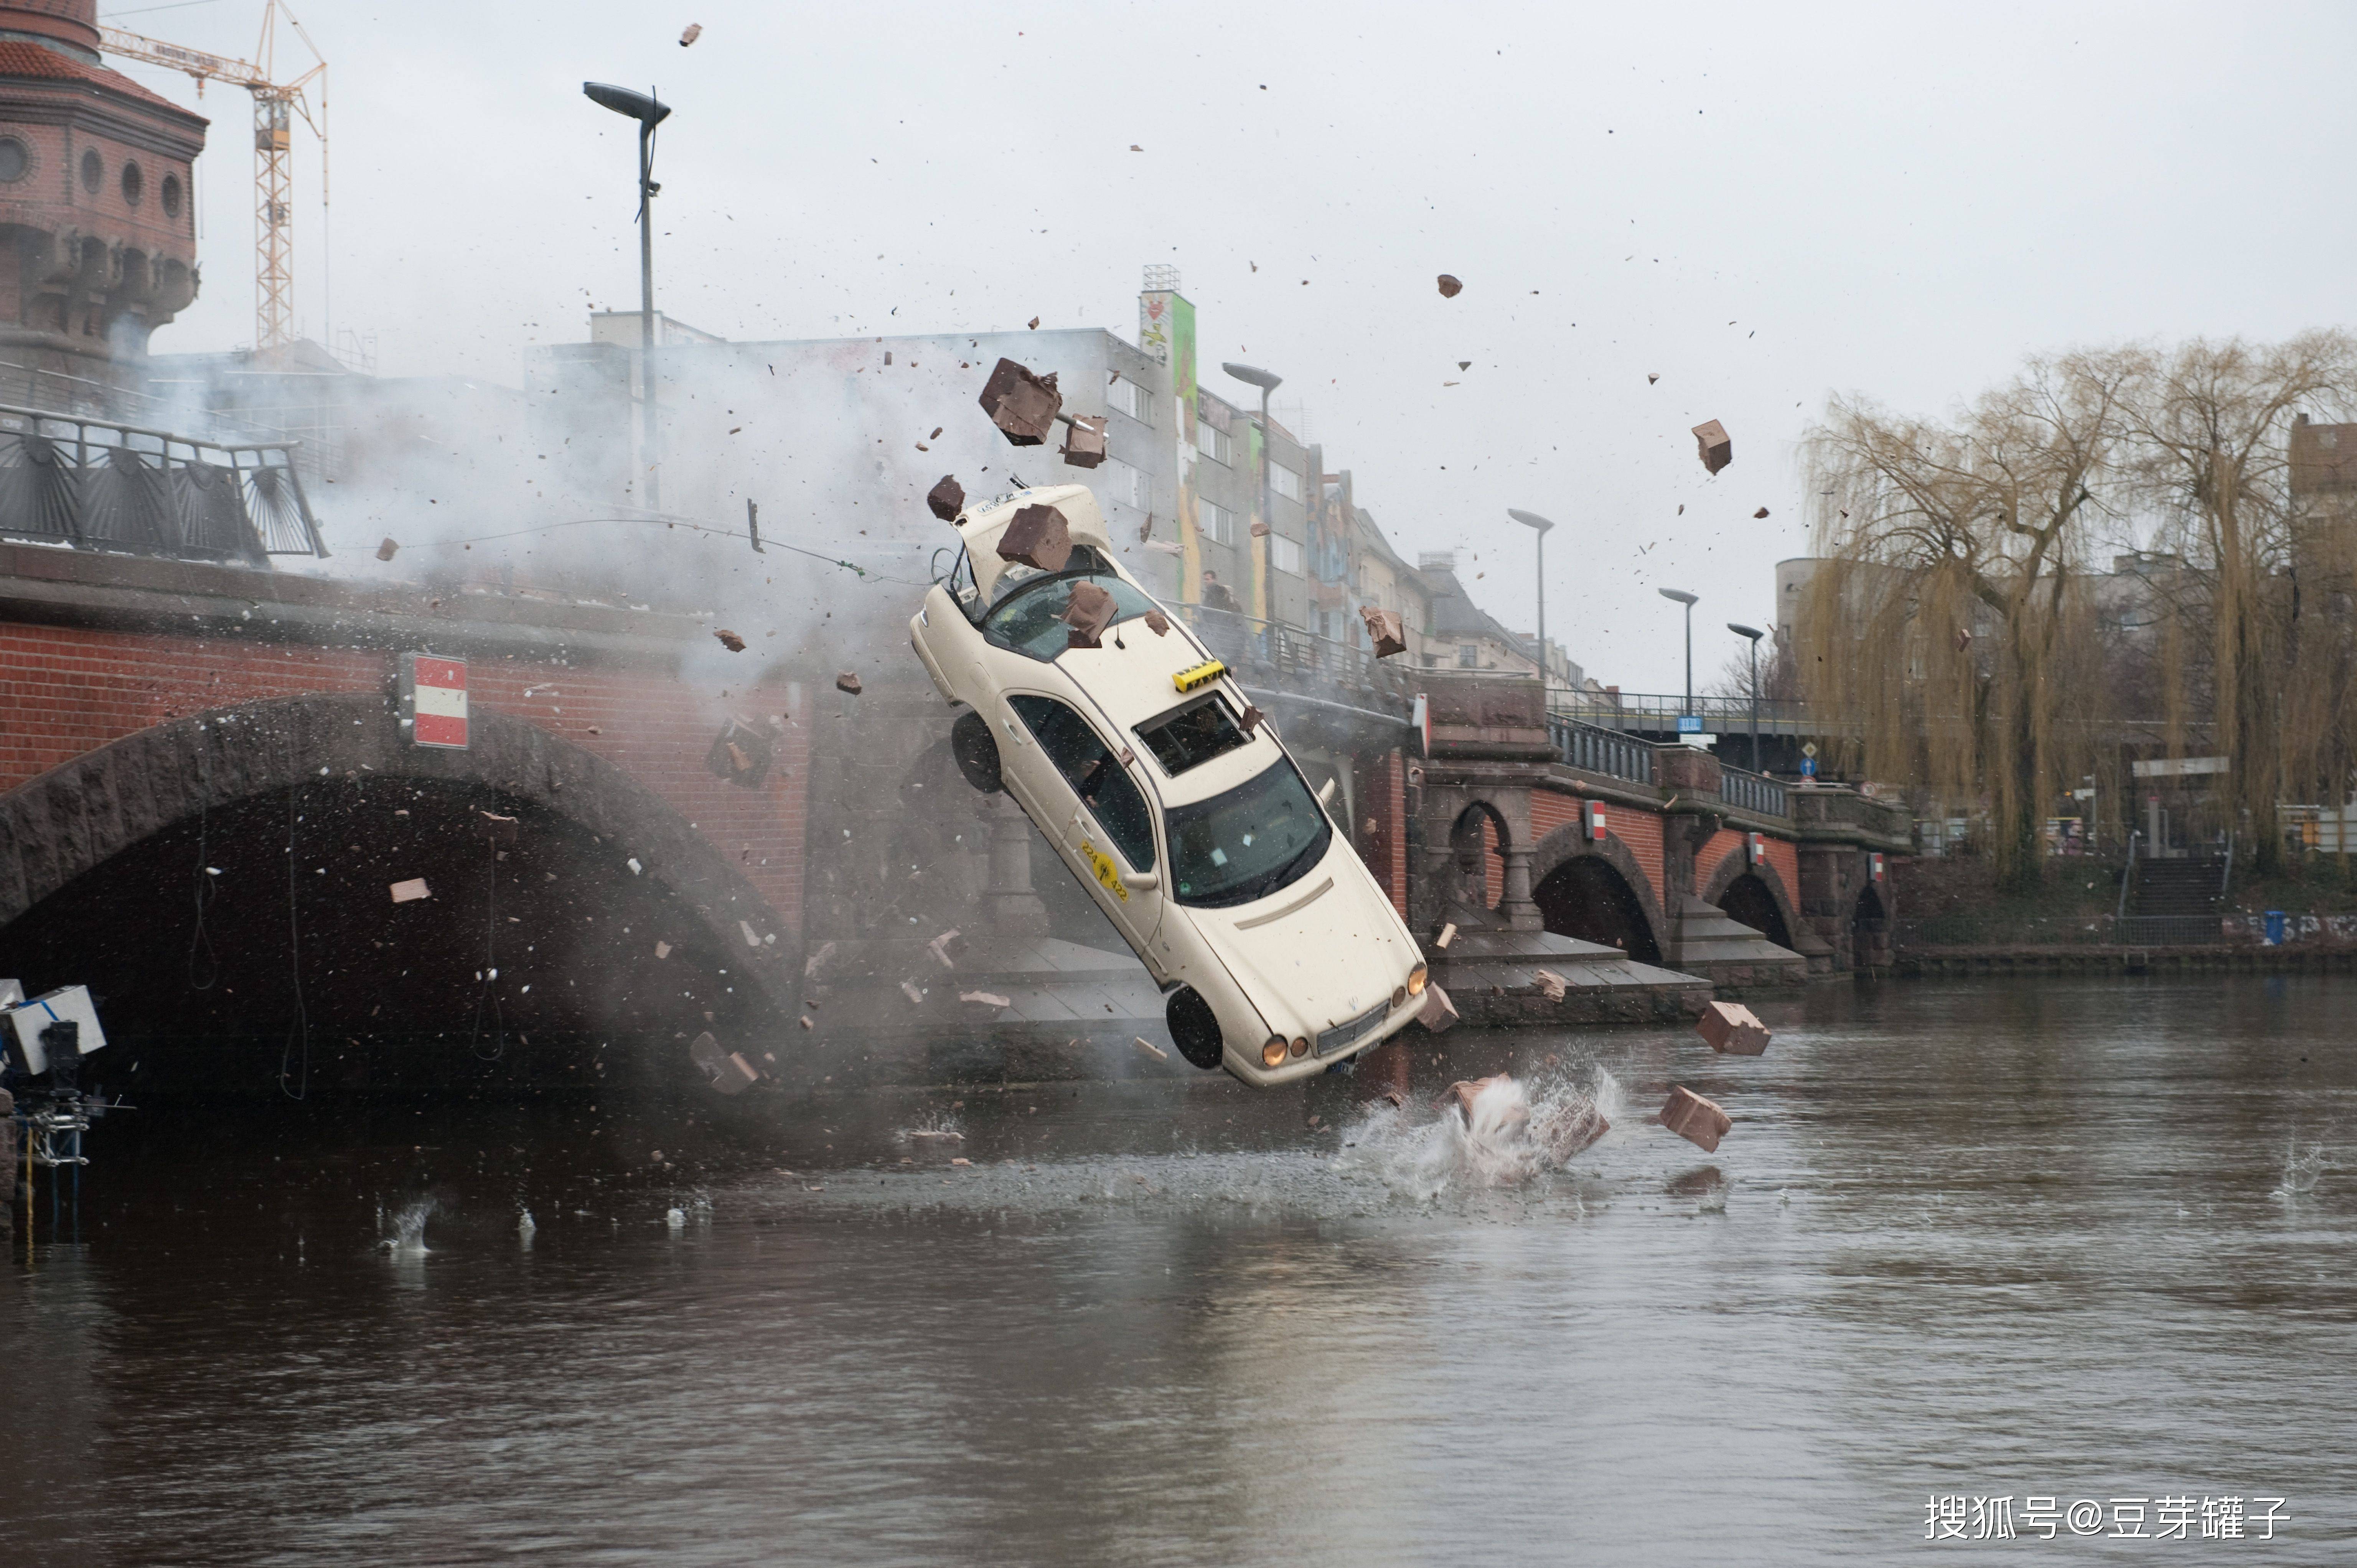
column 1277, row 952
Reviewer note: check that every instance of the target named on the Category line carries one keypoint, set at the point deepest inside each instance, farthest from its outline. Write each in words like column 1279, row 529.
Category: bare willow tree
column 1948, row 615
column 2211, row 429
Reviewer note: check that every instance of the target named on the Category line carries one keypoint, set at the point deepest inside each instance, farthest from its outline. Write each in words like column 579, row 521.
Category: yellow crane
column 275, row 105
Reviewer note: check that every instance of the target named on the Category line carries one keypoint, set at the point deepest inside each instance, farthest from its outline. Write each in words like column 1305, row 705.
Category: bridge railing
column 1752, row 791
column 1264, row 649
column 1658, row 712
column 1599, row 750
column 97, row 484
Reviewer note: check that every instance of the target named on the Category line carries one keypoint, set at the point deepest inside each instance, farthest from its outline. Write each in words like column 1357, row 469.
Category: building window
column 1126, row 396
column 134, row 185
column 1211, row 441
column 14, row 160
column 170, row 195
column 1284, row 482
column 93, row 171
column 1283, row 554
column 1468, row 656
column 1218, row 523
column 1121, row 483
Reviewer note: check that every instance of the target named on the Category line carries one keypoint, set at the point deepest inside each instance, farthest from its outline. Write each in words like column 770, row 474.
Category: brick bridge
column 206, row 790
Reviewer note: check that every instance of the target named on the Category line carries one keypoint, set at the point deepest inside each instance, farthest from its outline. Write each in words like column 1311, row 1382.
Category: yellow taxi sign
column 1201, row 674
column 1108, row 874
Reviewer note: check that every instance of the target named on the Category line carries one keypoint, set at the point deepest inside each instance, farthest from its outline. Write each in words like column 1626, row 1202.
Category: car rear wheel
column 975, row 751
column 1194, row 1029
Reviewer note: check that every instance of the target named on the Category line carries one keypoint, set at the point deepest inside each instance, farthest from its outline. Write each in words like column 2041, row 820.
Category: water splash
column 1498, row 1131
column 2300, row 1170
column 676, row 1218
column 408, row 1225
column 938, row 1128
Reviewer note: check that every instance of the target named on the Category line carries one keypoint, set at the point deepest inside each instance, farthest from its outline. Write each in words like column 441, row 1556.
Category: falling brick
column 985, row 998
column 947, row 948
column 736, row 1075
column 1718, row 448
column 1761, row 512
column 410, row 891
column 663, row 949
column 908, row 989
column 729, row 640
column 946, row 499
column 847, row 682
column 1448, row 935
column 1157, row 623
column 1385, row 630
column 1552, row 984
column 1695, row 1119
column 387, row 551
column 1437, row 1011
column 1088, row 612
column 1037, row 536
column 1260, row 531
column 1024, row 406
column 1733, row 1028
column 1250, row 719
column 752, row 939
column 695, row 31
column 1084, row 441
column 1149, row 1048
column 1449, row 287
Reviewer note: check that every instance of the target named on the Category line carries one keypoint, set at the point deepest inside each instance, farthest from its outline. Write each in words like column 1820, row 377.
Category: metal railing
column 1752, row 791
column 1257, row 649
column 1657, row 712
column 1972, row 930
column 97, row 484
column 1608, row 752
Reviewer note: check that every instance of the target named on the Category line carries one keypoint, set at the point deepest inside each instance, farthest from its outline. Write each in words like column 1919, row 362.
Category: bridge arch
column 86, row 817
column 1596, row 892
column 1753, row 896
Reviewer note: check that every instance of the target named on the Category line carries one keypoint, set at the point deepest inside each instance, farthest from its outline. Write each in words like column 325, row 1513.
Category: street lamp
column 1754, row 634
column 648, row 113
column 1267, row 382
column 1682, row 597
column 1538, row 525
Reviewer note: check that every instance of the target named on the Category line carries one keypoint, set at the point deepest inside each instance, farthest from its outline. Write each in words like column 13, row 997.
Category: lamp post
column 649, row 113
column 1539, row 526
column 1682, row 597
column 1754, row 634
column 1267, row 382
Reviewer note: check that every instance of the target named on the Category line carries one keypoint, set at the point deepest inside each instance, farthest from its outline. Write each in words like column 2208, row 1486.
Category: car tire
column 975, row 751
column 1194, row 1028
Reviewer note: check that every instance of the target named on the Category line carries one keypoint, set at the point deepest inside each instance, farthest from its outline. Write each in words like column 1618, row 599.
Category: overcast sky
column 1761, row 205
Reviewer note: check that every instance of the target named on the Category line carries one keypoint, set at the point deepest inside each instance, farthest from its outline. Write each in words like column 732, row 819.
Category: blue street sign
column 1689, row 723
column 1808, row 768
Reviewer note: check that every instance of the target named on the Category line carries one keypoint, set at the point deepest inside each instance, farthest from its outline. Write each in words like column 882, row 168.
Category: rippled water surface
column 2088, row 1241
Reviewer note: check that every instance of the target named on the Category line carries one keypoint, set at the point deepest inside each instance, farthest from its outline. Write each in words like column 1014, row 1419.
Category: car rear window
column 1193, row 735
column 1248, row 842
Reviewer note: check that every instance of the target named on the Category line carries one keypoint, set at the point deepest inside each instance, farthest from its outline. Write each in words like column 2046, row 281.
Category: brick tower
column 98, row 240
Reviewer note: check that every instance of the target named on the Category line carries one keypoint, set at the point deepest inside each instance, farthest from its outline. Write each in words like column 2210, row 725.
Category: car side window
column 1095, row 775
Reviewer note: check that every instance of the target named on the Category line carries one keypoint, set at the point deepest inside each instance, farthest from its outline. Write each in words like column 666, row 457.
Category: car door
column 1099, row 817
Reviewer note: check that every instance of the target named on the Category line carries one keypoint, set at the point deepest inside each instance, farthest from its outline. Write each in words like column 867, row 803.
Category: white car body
column 1314, row 955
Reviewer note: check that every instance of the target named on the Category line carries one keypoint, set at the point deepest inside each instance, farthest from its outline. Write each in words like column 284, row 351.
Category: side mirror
column 1326, row 791
column 1145, row 881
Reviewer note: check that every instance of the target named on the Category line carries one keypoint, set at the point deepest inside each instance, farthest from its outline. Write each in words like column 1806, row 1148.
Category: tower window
column 93, row 171
column 171, row 194
column 134, row 185
column 14, row 160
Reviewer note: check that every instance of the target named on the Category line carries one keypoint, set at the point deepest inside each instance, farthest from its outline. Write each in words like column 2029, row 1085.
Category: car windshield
column 1193, row 735
column 1247, row 844
column 1030, row 620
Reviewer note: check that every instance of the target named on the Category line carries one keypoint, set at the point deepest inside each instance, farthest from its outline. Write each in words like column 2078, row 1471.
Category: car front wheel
column 975, row 751
column 1194, row 1029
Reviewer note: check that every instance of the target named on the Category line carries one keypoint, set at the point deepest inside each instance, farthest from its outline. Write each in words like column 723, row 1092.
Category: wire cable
column 772, row 542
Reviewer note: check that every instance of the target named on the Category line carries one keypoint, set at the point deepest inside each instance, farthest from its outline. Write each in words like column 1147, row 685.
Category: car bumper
column 1310, row 1065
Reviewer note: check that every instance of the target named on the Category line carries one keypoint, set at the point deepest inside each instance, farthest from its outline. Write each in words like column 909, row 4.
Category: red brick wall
column 1395, row 830
column 1641, row 832
column 1724, row 842
column 1781, row 856
column 64, row 691
column 1493, row 870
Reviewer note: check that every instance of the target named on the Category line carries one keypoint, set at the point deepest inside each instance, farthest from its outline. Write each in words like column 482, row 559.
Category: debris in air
column 410, row 891
column 1151, row 1049
column 663, row 949
column 695, row 31
column 947, row 948
column 1385, row 630
column 1464, row 364
column 1039, row 537
column 1157, row 623
column 1250, row 719
column 1695, row 1119
column 1437, row 1011
column 740, row 754
column 1651, row 378
column 1963, row 639
column 1449, row 287
column 1448, row 935
column 1733, row 1028
column 729, row 640
column 499, row 828
column 1021, row 404
column 1087, row 613
column 726, row 1071
column 1551, row 984
column 1260, row 531
column 847, row 682
column 388, row 549
column 1084, row 441
column 1035, row 324
column 985, row 998
column 1761, row 512
column 1718, row 448
column 946, row 499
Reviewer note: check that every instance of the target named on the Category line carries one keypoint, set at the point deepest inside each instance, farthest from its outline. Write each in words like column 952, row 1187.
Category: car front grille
column 1344, row 1035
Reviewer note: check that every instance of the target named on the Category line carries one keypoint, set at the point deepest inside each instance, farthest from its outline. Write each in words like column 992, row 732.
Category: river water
column 2039, row 1239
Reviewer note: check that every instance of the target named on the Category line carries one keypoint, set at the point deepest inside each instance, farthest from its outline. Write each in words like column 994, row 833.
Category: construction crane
column 275, row 105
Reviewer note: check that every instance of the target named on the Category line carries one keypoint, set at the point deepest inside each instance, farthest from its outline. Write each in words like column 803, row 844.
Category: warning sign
column 434, row 695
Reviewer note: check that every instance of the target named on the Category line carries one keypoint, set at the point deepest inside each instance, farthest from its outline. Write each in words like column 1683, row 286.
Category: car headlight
column 1273, row 1052
column 1416, row 980
column 1300, row 1046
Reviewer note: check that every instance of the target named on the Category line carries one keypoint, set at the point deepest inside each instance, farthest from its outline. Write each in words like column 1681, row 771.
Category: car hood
column 1314, row 959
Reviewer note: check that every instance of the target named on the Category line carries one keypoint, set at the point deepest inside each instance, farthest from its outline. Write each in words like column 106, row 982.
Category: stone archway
column 1598, row 893
column 1755, row 896
column 1869, row 930
column 67, row 821
column 1477, row 835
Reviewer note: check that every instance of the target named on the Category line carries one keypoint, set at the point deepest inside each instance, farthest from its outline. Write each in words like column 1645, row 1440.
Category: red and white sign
column 1420, row 719
column 1591, row 818
column 1873, row 862
column 1756, row 848
column 435, row 691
